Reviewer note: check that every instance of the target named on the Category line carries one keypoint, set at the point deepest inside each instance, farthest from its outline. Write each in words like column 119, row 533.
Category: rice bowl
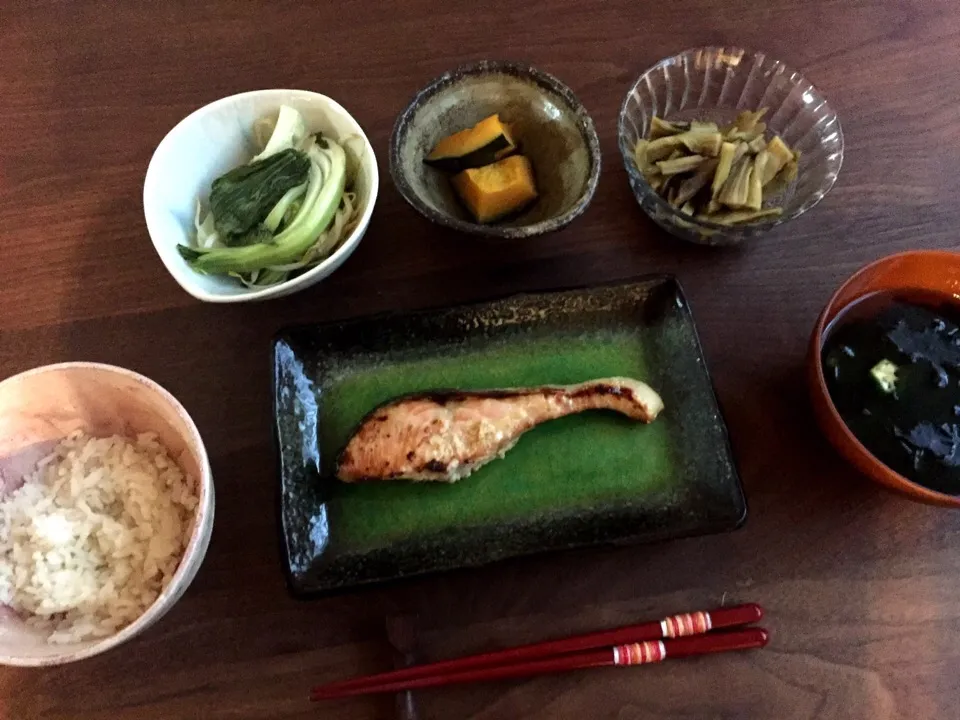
column 124, row 534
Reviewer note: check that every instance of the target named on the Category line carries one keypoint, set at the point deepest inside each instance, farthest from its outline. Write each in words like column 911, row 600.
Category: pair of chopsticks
column 677, row 636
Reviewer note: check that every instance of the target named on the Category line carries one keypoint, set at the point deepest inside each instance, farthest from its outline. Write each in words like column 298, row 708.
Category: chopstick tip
column 763, row 636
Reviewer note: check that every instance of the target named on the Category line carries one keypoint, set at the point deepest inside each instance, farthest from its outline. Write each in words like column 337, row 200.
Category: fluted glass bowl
column 715, row 84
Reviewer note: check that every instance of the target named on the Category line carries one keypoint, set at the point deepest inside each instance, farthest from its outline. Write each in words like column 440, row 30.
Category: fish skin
column 444, row 436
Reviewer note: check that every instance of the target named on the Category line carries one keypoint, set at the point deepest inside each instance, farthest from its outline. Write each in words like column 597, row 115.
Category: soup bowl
column 921, row 270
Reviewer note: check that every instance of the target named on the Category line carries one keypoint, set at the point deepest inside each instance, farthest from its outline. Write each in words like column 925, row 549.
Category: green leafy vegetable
column 241, row 199
column 327, row 179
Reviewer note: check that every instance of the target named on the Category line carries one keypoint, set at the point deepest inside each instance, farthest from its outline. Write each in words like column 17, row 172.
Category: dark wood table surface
column 862, row 589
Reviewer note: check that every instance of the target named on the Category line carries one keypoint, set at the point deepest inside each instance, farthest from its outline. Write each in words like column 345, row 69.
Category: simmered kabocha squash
column 497, row 190
column 486, row 142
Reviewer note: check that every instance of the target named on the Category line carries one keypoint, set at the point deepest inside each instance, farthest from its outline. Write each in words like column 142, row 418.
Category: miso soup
column 892, row 367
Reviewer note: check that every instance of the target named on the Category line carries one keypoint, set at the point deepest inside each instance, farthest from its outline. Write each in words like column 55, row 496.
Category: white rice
column 94, row 535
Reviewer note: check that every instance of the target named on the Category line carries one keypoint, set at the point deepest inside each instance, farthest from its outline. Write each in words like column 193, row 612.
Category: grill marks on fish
column 446, row 435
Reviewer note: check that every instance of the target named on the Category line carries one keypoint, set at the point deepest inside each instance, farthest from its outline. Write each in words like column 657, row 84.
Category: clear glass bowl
column 715, row 84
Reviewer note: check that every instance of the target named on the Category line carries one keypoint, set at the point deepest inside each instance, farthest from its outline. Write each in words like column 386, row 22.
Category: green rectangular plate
column 583, row 480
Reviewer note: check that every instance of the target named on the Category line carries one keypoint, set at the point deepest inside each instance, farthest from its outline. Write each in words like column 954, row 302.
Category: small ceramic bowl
column 40, row 407
column 217, row 138
column 715, row 84
column 554, row 131
column 918, row 270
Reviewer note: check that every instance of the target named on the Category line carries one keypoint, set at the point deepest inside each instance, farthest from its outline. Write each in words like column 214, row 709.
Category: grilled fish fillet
column 444, row 436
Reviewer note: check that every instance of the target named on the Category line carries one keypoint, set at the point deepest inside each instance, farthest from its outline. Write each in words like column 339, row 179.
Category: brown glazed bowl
column 554, row 129
column 936, row 271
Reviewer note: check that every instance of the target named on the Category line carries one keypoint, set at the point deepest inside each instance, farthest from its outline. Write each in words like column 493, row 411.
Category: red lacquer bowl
column 936, row 271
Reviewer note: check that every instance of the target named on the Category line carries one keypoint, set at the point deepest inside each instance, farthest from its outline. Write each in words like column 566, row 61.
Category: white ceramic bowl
column 211, row 141
column 40, row 407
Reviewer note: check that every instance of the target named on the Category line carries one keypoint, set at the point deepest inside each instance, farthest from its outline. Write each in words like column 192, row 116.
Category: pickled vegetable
column 680, row 165
column 783, row 179
column 695, row 183
column 737, row 187
column 747, row 121
column 724, row 175
column 661, row 128
column 780, row 152
column 723, row 168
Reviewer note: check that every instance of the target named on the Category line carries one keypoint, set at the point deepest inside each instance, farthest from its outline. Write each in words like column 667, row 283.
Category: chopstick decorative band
column 639, row 653
column 686, row 624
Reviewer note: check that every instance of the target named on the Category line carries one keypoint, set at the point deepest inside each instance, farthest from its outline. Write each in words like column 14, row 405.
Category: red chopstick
column 650, row 651
column 674, row 626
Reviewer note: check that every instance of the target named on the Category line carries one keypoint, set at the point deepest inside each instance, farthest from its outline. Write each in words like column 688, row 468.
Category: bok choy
column 283, row 212
column 244, row 197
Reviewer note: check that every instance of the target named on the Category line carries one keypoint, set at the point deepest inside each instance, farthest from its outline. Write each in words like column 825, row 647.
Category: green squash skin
column 485, row 155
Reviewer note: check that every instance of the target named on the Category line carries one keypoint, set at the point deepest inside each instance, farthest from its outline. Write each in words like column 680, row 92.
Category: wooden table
column 862, row 588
